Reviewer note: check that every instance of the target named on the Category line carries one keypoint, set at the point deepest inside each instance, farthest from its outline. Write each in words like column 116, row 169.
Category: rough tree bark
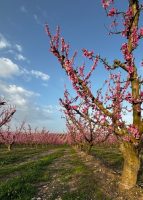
column 130, row 167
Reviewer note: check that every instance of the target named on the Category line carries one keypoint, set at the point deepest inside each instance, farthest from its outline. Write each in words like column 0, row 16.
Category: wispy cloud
column 15, row 49
column 8, row 68
column 18, row 47
column 36, row 18
column 3, row 42
column 26, row 107
column 23, row 9
column 45, row 84
column 20, row 57
column 38, row 74
column 17, row 95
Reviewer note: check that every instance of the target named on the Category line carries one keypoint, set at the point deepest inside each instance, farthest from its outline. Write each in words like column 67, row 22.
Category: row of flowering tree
column 25, row 134
column 124, row 88
column 29, row 137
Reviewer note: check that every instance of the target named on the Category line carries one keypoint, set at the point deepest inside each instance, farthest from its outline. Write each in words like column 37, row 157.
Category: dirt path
column 54, row 187
column 108, row 179
column 69, row 180
column 76, row 176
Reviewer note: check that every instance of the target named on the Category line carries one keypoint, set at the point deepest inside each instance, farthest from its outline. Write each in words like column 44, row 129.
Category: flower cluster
column 134, row 37
column 141, row 32
column 127, row 20
column 88, row 54
column 64, row 47
column 126, row 138
column 134, row 131
column 81, row 70
column 128, row 57
column 106, row 3
column 112, row 12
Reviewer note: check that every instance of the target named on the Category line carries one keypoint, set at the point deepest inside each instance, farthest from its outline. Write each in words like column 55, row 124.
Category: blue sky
column 30, row 76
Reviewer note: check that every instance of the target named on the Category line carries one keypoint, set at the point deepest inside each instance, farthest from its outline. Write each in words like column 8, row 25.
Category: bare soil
column 109, row 179
column 65, row 175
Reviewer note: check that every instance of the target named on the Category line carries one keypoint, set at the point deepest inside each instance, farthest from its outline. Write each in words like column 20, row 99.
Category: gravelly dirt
column 55, row 188
column 107, row 180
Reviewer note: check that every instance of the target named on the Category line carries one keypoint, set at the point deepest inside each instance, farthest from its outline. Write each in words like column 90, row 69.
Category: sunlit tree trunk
column 131, row 166
column 9, row 146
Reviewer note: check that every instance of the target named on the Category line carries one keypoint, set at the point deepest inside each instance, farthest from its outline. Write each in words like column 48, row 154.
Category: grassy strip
column 18, row 155
column 18, row 167
column 84, row 185
column 22, row 187
column 110, row 156
column 87, row 187
column 15, row 168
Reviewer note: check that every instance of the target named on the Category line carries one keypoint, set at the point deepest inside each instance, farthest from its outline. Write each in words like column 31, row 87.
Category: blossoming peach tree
column 85, row 124
column 124, row 92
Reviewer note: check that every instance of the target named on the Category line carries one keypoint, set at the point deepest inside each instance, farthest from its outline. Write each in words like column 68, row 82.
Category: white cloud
column 3, row 42
column 26, row 106
column 41, row 75
column 18, row 47
column 13, row 89
column 17, row 95
column 20, row 57
column 8, row 68
column 49, row 109
column 12, row 48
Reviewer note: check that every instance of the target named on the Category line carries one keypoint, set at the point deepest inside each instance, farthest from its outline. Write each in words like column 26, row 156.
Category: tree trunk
column 88, row 148
column 9, row 147
column 131, row 166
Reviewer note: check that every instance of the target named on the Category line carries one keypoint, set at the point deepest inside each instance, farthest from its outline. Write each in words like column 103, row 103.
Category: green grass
column 23, row 186
column 70, row 179
column 20, row 154
column 86, row 187
column 110, row 156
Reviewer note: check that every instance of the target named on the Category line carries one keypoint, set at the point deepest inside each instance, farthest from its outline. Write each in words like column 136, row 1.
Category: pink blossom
column 134, row 37
column 127, row 55
column 112, row 12
column 85, row 110
column 128, row 16
column 81, row 69
column 134, row 131
column 141, row 32
column 103, row 119
column 47, row 30
column 88, row 54
column 106, row 3
column 141, row 93
column 74, row 107
column 126, row 138
column 130, row 69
